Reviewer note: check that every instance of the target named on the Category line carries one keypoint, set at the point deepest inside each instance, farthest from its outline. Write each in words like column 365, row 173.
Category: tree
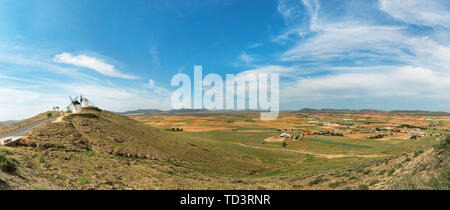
column 284, row 144
column 49, row 114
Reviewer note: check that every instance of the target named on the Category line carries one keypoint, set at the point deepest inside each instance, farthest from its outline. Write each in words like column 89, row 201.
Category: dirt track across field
column 329, row 156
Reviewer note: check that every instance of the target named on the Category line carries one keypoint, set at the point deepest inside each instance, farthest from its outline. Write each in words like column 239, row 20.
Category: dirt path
column 274, row 139
column 59, row 119
column 329, row 156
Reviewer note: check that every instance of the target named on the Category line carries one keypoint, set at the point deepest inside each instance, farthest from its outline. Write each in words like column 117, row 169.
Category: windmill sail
column 75, row 105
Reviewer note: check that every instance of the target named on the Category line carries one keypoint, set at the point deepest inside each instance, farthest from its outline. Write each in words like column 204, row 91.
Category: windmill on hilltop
column 74, row 105
column 84, row 101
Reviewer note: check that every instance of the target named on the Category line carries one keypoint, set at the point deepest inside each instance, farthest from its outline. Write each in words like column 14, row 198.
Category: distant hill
column 337, row 111
column 183, row 111
column 420, row 112
column 143, row 111
column 304, row 110
column 159, row 111
column 10, row 121
column 349, row 111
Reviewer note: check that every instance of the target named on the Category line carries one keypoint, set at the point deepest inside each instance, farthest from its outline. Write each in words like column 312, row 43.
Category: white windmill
column 84, row 101
column 75, row 105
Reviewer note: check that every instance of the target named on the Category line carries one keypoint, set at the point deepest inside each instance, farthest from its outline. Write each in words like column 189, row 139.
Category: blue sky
column 386, row 54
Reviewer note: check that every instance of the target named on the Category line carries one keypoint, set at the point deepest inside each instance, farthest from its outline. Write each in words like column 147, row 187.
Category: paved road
column 21, row 132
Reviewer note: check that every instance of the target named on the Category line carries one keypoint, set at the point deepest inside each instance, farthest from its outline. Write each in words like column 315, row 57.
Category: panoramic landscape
column 254, row 95
column 305, row 149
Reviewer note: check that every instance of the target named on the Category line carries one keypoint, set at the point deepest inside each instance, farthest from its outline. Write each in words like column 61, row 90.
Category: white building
column 285, row 135
column 76, row 107
column 84, row 103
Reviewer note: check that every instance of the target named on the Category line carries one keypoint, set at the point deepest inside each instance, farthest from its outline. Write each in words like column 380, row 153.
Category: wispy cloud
column 360, row 58
column 413, row 82
column 155, row 56
column 419, row 12
column 91, row 63
column 255, row 45
column 246, row 58
column 118, row 98
column 33, row 83
column 270, row 69
column 160, row 90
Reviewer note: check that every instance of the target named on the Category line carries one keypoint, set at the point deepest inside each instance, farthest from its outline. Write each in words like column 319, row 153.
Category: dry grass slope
column 102, row 150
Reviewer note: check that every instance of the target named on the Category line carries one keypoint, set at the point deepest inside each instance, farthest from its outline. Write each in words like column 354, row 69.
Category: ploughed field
column 102, row 150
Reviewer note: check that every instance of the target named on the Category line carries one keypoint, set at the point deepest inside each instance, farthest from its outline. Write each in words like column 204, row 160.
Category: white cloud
column 17, row 96
column 32, row 84
column 157, row 89
column 269, row 69
column 91, row 63
column 246, row 58
column 359, row 59
column 300, row 16
column 154, row 54
column 408, row 81
column 255, row 45
column 18, row 103
column 118, row 98
column 347, row 40
column 419, row 12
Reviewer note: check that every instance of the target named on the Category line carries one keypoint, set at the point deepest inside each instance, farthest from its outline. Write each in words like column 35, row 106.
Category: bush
column 391, row 171
column 49, row 114
column 7, row 164
column 367, row 172
column 317, row 181
column 443, row 144
column 334, row 184
column 363, row 187
column 284, row 144
column 373, row 182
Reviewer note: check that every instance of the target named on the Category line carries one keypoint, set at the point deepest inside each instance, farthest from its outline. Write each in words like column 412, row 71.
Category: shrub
column 391, row 171
column 7, row 164
column 373, row 182
column 284, row 144
column 317, row 181
column 363, row 187
column 83, row 180
column 443, row 144
column 367, row 172
column 49, row 114
column 334, row 184
column 382, row 172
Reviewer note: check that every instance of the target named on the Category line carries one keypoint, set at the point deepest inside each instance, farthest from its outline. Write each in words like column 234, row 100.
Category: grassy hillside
column 102, row 150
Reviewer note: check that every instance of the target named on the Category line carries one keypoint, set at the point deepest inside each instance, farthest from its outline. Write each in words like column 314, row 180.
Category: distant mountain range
column 349, row 111
column 143, row 111
column 10, row 121
column 304, row 110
